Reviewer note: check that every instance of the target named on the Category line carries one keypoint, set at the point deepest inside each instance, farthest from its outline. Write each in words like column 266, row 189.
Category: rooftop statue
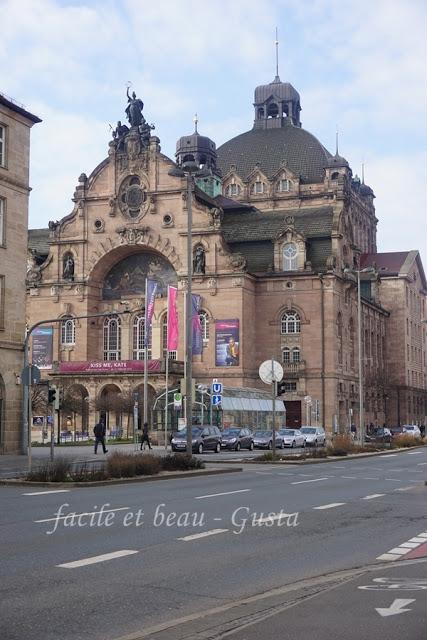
column 134, row 110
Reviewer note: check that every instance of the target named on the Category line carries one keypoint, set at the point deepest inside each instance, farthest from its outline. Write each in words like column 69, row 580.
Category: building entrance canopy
column 245, row 399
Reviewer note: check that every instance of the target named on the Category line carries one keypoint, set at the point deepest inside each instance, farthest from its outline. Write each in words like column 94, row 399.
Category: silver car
column 264, row 440
column 292, row 437
column 314, row 436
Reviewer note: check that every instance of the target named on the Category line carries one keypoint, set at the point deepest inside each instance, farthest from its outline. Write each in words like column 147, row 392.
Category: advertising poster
column 42, row 347
column 227, row 343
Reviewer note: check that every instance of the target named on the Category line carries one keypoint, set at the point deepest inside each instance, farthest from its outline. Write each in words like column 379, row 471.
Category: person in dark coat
column 145, row 436
column 99, row 431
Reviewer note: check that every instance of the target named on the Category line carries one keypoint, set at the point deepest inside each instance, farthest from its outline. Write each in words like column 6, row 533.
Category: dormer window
column 290, row 253
column 284, row 185
column 335, row 175
column 258, row 187
column 232, row 190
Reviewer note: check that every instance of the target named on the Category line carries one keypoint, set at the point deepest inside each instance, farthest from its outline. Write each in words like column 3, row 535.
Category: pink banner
column 110, row 366
column 172, row 319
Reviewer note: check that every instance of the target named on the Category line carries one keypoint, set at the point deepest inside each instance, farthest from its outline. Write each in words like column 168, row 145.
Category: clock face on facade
column 132, row 197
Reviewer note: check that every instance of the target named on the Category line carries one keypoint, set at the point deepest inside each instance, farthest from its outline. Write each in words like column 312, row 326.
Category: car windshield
column 308, row 430
column 183, row 434
column 262, row 434
column 287, row 432
column 410, row 428
column 231, row 432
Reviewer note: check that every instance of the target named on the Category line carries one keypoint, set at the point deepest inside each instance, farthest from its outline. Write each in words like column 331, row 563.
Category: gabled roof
column 14, row 106
column 394, row 263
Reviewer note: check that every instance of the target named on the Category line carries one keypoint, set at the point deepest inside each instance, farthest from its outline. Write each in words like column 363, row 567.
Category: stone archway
column 139, row 392
column 75, row 412
column 109, row 404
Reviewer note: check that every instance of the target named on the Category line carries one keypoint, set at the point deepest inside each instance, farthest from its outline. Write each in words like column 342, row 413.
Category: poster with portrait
column 227, row 343
column 42, row 352
column 38, row 421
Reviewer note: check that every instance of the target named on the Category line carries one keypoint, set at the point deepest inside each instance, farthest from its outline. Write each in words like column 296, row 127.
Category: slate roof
column 305, row 156
column 255, row 226
column 38, row 241
column 388, row 264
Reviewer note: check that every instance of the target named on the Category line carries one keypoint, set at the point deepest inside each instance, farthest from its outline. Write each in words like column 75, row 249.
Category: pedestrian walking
column 99, row 431
column 145, row 437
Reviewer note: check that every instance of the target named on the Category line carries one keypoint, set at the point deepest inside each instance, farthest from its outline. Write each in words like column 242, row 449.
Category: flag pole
column 185, row 349
column 145, row 413
column 167, row 373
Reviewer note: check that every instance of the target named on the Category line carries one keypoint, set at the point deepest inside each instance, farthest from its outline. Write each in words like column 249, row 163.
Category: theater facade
column 280, row 225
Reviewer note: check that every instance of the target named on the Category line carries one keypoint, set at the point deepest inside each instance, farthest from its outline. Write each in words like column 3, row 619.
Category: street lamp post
column 26, row 433
column 357, row 272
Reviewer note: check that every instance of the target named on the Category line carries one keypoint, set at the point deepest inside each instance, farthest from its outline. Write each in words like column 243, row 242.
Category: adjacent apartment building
column 15, row 125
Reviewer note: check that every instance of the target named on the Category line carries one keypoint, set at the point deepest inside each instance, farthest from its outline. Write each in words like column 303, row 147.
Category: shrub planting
column 181, row 462
column 405, row 440
column 51, row 471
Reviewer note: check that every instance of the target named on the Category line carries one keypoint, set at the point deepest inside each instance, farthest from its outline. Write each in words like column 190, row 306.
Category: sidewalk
column 13, row 465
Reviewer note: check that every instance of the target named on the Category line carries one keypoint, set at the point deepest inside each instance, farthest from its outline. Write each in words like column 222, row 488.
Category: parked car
column 292, row 437
column 380, row 434
column 397, row 431
column 314, row 435
column 202, row 438
column 412, row 430
column 235, row 438
column 264, row 440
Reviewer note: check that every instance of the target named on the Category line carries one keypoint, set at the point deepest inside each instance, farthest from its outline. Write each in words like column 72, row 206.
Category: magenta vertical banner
column 149, row 309
column 172, row 319
column 196, row 325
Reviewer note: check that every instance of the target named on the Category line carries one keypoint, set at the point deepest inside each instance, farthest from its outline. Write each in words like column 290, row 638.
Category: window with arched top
column 284, row 185
column 290, row 323
column 339, row 336
column 296, row 354
column 68, row 330
column 138, row 338
column 232, row 189
column 290, row 257
column 112, row 338
column 171, row 354
column 258, row 187
column 352, row 342
column 204, row 323
column 286, row 355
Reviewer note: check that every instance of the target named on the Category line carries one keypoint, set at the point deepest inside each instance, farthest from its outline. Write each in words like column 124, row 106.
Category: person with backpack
column 145, row 436
column 99, row 432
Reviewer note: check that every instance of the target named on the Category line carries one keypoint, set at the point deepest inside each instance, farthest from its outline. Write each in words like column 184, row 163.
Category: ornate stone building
column 279, row 225
column 15, row 125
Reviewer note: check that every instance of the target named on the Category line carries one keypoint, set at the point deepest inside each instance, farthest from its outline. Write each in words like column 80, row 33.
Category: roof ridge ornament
column 277, row 79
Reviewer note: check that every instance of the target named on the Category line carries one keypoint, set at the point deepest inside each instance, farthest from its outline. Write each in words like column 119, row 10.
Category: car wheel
column 251, row 446
column 200, row 448
column 270, row 445
column 238, row 445
column 293, row 444
column 218, row 447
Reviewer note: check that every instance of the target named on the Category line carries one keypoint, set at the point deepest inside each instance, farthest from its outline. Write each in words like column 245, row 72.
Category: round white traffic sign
column 307, row 399
column 270, row 371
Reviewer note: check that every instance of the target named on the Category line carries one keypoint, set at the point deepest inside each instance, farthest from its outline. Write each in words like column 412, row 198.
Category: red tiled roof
column 386, row 263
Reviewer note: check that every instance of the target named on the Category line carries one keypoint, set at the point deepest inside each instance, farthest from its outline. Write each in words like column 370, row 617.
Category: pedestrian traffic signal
column 280, row 388
column 52, row 395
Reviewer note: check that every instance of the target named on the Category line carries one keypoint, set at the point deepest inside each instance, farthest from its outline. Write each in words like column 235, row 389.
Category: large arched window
column 112, row 338
column 339, row 336
column 68, row 331
column 290, row 253
column 204, row 323
column 172, row 354
column 291, row 322
column 138, row 338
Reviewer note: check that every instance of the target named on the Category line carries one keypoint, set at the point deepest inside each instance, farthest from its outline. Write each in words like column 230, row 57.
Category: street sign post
column 271, row 372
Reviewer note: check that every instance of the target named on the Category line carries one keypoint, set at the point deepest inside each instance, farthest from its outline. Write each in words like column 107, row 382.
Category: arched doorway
column 110, row 406
column 151, row 396
column 75, row 412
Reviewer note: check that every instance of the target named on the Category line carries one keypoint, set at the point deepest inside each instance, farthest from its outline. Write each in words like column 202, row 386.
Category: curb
column 352, row 456
column 13, row 482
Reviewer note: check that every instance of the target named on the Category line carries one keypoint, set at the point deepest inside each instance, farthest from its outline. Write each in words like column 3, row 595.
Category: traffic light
column 52, row 395
column 280, row 388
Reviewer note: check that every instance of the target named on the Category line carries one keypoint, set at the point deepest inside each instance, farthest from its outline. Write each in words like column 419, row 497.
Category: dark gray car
column 235, row 438
column 202, row 439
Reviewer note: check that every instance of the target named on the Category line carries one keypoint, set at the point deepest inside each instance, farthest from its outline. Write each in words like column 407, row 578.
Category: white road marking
column 337, row 466
column 374, row 495
column 388, row 556
column 398, row 551
column 314, row 480
column 366, row 478
column 306, row 475
column 272, row 518
column 95, row 559
column 414, row 453
column 349, row 477
column 263, row 473
column 204, row 534
column 392, row 480
column 420, row 464
column 409, row 545
column 404, row 488
column 85, row 513
column 225, row 493
column 44, row 493
column 389, row 455
column 286, row 474
column 417, row 539
column 332, row 505
column 395, row 608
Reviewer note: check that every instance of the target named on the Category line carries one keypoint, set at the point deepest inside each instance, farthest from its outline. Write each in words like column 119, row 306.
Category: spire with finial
column 195, row 120
column 277, row 79
column 336, row 141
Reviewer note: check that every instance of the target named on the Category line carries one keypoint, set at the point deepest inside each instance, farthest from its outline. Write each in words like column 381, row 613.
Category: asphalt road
column 128, row 570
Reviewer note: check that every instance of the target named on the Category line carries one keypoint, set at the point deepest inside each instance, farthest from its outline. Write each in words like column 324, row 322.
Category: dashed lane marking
column 332, row 505
column 374, row 495
column 203, row 534
column 314, row 480
column 392, row 480
column 94, row 559
column 44, row 493
column 414, row 453
column 410, row 547
column 349, row 477
column 225, row 493
column 404, row 488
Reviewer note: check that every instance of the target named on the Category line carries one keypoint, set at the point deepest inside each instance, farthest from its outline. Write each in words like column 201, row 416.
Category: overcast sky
column 359, row 65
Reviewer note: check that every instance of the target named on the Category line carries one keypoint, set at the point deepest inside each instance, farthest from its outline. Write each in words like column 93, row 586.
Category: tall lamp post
column 189, row 170
column 357, row 272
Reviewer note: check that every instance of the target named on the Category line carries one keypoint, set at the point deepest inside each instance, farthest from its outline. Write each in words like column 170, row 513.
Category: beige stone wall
column 14, row 189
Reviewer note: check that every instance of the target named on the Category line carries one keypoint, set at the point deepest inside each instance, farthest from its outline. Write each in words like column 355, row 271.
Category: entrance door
column 293, row 414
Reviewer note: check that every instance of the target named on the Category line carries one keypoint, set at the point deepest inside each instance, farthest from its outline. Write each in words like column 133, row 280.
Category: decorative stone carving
column 237, row 282
column 183, row 284
column 132, row 235
column 289, row 220
column 212, row 286
column 33, row 270
column 238, row 262
column 132, row 197
column 199, row 260
column 68, row 267
column 112, row 203
column 331, row 263
column 152, row 205
column 216, row 216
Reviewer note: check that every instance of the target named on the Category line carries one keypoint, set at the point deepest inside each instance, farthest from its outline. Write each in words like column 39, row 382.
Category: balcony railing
column 293, row 369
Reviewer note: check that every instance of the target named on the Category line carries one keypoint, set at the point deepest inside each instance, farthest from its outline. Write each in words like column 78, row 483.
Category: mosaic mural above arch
column 127, row 277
